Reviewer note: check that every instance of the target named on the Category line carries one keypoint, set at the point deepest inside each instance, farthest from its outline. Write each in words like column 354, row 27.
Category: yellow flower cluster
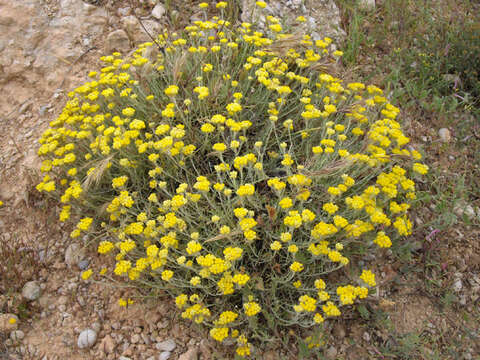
column 224, row 170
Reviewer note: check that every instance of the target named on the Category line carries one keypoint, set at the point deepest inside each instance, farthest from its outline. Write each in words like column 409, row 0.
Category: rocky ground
column 46, row 48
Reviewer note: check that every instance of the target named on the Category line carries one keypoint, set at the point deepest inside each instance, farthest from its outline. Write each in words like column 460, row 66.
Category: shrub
column 230, row 170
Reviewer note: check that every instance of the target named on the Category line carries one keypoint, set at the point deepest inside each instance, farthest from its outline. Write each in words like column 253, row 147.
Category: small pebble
column 158, row 11
column 366, row 336
column 164, row 355
column 83, row 265
column 331, row 353
column 457, row 285
column 17, row 335
column 135, row 338
column 31, row 291
column 444, row 135
column 96, row 326
column 86, row 339
column 167, row 345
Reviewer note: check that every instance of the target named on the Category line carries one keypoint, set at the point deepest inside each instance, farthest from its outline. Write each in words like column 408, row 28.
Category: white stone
column 457, row 285
column 158, row 11
column 123, row 11
column 445, row 135
column 86, row 339
column 17, row 335
column 366, row 336
column 31, row 291
column 164, row 355
column 74, row 254
column 167, row 345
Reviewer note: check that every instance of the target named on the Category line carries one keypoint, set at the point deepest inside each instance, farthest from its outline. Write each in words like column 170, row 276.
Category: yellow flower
column 261, row 4
column 227, row 317
column 292, row 248
column 195, row 280
column 219, row 334
column 246, row 190
column 203, row 5
column 318, row 318
column 105, row 247
column 330, row 208
column 240, row 279
column 119, row 181
column 287, row 160
column 181, row 300
column 167, row 275
column 193, row 247
column 221, row 5
column 276, row 27
column 225, row 230
column 233, row 108
column 420, row 168
column 382, row 240
column 84, row 224
column 330, row 309
column 232, row 253
column 207, row 68
column 251, row 308
column 275, row 246
column 296, row 266
column 202, row 92
column 172, row 90
column 220, row 147
column 285, row 203
column 128, row 111
column 368, row 277
column 87, row 274
column 207, row 128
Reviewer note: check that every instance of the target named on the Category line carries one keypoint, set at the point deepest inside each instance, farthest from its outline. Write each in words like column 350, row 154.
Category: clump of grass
column 231, row 170
column 428, row 52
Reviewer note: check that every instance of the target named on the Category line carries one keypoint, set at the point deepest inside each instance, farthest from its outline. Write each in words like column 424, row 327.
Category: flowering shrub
column 232, row 172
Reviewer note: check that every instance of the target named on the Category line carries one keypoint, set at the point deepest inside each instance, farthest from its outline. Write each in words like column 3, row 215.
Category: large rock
column 117, row 41
column 322, row 16
column 48, row 44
